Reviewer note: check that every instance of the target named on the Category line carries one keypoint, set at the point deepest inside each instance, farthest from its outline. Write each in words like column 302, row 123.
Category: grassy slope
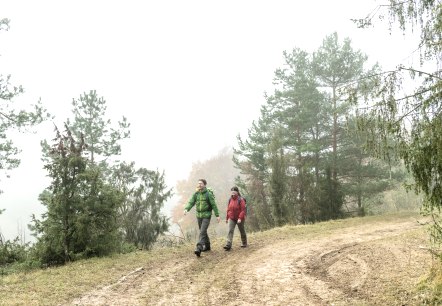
column 59, row 285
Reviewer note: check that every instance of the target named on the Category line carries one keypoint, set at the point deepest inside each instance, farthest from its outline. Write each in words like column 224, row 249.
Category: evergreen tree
column 330, row 198
column 144, row 194
column 89, row 119
column 277, row 181
column 298, row 106
column 363, row 175
column 295, row 159
column 251, row 158
column 80, row 220
column 338, row 66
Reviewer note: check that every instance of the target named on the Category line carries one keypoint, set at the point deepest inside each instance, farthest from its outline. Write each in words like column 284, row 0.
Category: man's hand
column 239, row 220
column 227, row 220
column 185, row 212
column 218, row 219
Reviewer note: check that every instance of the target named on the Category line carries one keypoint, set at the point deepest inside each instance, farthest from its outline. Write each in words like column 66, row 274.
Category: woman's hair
column 234, row 188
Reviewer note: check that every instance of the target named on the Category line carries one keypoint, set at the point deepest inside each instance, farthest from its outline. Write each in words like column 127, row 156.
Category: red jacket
column 236, row 210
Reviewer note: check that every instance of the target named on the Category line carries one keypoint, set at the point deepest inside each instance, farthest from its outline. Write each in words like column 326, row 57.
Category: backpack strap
column 239, row 201
column 208, row 200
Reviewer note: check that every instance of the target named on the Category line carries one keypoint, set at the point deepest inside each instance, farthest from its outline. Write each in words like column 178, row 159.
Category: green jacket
column 203, row 207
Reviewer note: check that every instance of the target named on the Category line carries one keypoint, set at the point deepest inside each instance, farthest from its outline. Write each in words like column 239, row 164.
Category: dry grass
column 55, row 286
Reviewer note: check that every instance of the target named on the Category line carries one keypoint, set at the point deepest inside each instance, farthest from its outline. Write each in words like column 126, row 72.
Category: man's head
column 202, row 184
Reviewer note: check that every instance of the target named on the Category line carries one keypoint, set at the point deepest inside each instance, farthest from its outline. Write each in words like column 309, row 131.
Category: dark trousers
column 242, row 231
column 203, row 225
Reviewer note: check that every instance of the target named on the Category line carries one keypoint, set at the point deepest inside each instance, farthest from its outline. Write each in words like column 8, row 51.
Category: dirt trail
column 353, row 266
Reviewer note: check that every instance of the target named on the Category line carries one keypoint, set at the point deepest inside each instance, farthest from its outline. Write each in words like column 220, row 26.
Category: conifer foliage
column 81, row 208
column 300, row 155
column 95, row 204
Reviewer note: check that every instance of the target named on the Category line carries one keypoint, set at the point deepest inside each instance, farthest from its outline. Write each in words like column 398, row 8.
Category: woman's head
column 235, row 191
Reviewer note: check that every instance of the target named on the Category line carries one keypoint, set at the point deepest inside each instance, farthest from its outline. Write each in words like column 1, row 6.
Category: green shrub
column 13, row 251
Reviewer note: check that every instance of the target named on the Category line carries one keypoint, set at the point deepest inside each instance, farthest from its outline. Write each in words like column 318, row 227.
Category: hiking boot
column 206, row 247
column 244, row 245
column 227, row 247
column 198, row 250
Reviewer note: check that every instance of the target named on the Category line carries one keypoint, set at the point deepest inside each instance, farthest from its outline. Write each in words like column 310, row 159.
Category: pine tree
column 81, row 212
column 144, row 194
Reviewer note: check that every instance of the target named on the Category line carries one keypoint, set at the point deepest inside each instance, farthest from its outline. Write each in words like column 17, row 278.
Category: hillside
column 360, row 261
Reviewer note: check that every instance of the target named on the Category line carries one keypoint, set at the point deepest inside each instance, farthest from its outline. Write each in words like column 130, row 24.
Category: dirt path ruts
column 352, row 266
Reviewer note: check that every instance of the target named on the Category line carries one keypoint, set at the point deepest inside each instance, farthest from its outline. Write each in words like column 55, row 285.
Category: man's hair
column 203, row 180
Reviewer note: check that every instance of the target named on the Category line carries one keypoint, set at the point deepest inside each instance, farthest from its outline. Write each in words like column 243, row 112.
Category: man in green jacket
column 204, row 202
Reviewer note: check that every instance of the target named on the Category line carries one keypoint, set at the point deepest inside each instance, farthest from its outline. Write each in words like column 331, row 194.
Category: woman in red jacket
column 236, row 215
